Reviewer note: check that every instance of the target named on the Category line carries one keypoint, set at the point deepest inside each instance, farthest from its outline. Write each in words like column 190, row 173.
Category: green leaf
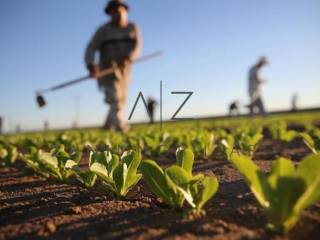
column 209, row 144
column 70, row 164
column 100, row 170
column 227, row 145
column 133, row 180
column 309, row 168
column 248, row 143
column 3, row 153
column 208, row 189
column 112, row 163
column 254, row 178
column 100, row 157
column 180, row 178
column 309, row 171
column 132, row 159
column 195, row 179
column 156, row 181
column 185, row 159
column 178, row 175
column 280, row 168
column 119, row 177
column 61, row 155
column 309, row 142
column 8, row 154
column 88, row 178
column 284, row 196
column 288, row 136
column 50, row 163
column 125, row 175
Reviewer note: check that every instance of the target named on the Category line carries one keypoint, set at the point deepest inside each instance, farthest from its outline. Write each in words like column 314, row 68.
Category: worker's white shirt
column 254, row 83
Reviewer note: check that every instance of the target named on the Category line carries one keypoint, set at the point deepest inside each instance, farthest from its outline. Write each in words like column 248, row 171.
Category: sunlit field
column 227, row 178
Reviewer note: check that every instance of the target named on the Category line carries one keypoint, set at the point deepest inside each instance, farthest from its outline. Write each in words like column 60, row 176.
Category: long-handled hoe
column 39, row 94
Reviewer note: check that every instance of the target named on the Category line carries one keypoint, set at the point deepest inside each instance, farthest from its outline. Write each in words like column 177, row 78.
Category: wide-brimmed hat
column 114, row 4
column 263, row 61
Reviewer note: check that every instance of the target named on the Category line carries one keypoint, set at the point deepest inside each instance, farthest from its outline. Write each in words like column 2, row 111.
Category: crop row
column 152, row 144
column 283, row 193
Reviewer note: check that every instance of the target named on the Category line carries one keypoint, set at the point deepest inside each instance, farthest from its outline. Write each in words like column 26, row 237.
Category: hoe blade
column 41, row 101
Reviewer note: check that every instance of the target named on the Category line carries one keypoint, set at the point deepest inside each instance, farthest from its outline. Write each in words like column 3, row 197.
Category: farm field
column 91, row 184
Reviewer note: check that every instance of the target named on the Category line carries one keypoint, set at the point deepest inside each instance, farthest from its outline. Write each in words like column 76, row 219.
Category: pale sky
column 209, row 46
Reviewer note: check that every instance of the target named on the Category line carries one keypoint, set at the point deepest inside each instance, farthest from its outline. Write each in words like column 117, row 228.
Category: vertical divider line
column 161, row 105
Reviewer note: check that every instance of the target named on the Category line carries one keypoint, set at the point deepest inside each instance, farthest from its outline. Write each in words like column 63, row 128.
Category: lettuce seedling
column 313, row 131
column 135, row 142
column 248, row 144
column 50, row 164
column 314, row 145
column 245, row 144
column 152, row 144
column 285, row 192
column 8, row 155
column 204, row 144
column 279, row 132
column 86, row 177
column 176, row 184
column 118, row 176
column 32, row 161
column 155, row 143
column 227, row 146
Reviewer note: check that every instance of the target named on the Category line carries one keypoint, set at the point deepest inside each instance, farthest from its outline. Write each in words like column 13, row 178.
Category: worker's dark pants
column 257, row 106
column 151, row 112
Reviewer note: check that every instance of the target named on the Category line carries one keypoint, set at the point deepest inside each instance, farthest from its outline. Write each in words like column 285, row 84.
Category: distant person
column 46, row 125
column 234, row 108
column 74, row 125
column 118, row 43
column 294, row 101
column 151, row 104
column 256, row 104
column 18, row 128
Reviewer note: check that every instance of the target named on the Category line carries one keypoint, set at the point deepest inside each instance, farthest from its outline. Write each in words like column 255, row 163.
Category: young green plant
column 86, row 177
column 204, row 144
column 8, row 155
column 176, row 184
column 118, row 175
column 312, row 144
column 50, row 164
column 285, row 192
column 248, row 141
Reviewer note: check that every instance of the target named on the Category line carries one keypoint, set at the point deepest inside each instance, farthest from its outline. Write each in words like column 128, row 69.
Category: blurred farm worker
column 151, row 104
column 294, row 101
column 118, row 43
column 234, row 108
column 256, row 105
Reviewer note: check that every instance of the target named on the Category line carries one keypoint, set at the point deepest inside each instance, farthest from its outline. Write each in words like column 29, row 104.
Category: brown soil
column 32, row 207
